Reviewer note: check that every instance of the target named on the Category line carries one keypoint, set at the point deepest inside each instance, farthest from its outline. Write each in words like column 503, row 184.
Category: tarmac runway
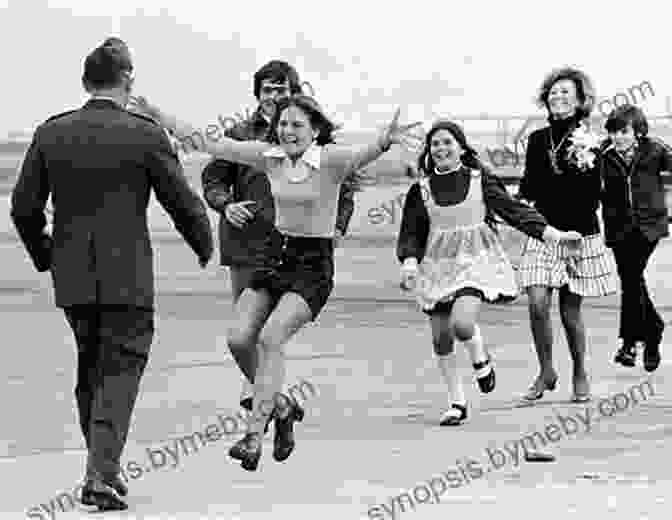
column 370, row 446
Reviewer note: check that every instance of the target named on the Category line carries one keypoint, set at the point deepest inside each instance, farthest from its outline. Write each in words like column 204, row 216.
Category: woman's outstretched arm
column 190, row 137
column 520, row 215
column 341, row 160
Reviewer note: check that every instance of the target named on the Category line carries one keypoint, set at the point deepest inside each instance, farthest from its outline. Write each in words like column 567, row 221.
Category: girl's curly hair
column 585, row 91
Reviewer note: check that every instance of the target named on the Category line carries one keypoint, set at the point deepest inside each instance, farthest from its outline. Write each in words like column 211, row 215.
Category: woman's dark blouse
column 450, row 189
column 569, row 200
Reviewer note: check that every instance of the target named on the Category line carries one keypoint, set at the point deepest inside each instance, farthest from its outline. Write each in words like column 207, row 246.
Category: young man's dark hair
column 277, row 71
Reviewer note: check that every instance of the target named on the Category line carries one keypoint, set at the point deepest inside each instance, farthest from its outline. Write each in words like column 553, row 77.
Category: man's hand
column 409, row 273
column 339, row 237
column 239, row 213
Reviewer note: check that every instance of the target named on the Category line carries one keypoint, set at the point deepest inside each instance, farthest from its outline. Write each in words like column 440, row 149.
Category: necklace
column 553, row 152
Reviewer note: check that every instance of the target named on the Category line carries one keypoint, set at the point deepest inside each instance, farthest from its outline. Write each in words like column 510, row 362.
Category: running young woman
column 305, row 169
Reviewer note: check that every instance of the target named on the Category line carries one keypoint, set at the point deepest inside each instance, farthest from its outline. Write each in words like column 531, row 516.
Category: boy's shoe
column 626, row 356
column 652, row 351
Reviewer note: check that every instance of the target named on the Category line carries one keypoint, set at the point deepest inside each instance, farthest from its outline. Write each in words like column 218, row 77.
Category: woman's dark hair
column 625, row 115
column 278, row 72
column 105, row 66
column 469, row 158
column 318, row 119
column 585, row 92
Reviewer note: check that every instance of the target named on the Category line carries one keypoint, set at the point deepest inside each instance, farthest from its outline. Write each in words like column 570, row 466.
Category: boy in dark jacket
column 635, row 219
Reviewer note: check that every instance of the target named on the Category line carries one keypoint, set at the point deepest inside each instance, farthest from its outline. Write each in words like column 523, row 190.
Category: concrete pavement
column 371, row 431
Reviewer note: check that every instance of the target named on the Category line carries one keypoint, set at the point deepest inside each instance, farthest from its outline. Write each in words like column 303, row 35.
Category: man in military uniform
column 99, row 164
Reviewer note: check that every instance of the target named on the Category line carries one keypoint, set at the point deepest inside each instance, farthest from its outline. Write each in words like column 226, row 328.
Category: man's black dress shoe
column 105, row 497
column 118, row 485
column 626, row 356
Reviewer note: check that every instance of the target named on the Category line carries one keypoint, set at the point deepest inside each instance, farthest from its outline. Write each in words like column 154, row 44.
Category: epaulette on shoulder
column 62, row 114
column 143, row 116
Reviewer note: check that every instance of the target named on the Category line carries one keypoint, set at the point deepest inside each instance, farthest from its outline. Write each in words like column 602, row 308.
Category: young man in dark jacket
column 635, row 219
column 242, row 196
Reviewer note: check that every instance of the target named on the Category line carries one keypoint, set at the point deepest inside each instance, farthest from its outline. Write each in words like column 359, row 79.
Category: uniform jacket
column 99, row 164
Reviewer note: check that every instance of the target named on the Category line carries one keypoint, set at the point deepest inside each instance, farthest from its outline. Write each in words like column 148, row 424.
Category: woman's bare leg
column 291, row 313
column 251, row 312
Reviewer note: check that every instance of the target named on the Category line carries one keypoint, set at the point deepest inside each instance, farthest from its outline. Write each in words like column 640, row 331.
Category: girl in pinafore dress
column 451, row 255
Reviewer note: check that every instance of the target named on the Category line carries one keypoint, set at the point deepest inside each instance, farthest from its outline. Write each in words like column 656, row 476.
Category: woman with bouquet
column 562, row 180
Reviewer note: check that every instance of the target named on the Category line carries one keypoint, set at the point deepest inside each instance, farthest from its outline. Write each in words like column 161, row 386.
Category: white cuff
column 411, row 262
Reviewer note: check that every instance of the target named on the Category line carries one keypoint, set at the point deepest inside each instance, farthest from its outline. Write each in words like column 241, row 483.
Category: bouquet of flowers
column 583, row 148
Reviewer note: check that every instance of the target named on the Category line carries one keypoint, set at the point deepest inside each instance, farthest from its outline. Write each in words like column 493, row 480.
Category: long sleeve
column 342, row 161
column 414, row 228
column 217, row 178
column 220, row 176
column 186, row 209
column 666, row 158
column 29, row 199
column 514, row 212
column 528, row 188
column 346, row 207
column 240, row 152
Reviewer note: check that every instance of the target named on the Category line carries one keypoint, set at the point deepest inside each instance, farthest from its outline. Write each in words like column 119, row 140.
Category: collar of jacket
column 101, row 101
column 311, row 156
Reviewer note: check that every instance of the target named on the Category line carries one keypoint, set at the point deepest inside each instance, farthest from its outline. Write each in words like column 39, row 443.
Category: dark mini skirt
column 302, row 265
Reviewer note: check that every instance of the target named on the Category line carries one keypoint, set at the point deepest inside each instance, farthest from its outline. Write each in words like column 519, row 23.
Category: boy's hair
column 624, row 115
column 278, row 72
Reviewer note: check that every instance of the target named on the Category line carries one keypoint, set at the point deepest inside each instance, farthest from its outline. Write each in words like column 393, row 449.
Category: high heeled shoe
column 455, row 416
column 537, row 389
column 283, row 441
column 248, row 451
column 100, row 494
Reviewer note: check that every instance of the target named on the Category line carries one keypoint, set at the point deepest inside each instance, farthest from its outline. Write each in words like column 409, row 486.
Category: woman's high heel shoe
column 455, row 416
column 248, row 451
column 536, row 391
column 283, row 442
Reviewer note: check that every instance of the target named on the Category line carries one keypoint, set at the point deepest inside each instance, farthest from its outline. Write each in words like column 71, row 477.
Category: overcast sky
column 196, row 58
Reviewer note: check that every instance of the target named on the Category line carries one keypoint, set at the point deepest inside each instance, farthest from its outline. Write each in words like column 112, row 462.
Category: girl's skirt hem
column 445, row 304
